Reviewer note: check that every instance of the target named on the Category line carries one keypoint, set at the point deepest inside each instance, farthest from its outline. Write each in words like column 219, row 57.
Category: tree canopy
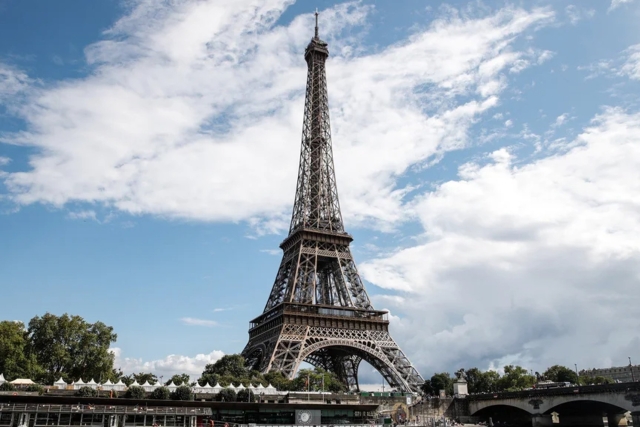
column 558, row 373
column 69, row 347
column 14, row 360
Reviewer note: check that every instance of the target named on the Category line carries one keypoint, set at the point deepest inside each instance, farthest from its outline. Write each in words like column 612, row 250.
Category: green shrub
column 226, row 395
column 35, row 387
column 161, row 393
column 135, row 392
column 86, row 392
column 182, row 393
column 7, row 387
column 245, row 396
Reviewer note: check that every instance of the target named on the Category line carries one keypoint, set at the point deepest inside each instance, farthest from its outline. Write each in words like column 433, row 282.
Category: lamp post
column 633, row 378
column 577, row 374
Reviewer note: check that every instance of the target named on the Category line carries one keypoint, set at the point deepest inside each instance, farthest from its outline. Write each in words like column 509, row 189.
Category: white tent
column 119, row 386
column 270, row 390
column 148, row 387
column 232, row 387
column 260, row 387
column 251, row 387
column 92, row 384
column 134, row 384
column 2, row 380
column 79, row 384
column 60, row 384
column 240, row 387
column 197, row 388
column 108, row 385
column 208, row 388
column 217, row 388
column 22, row 381
column 171, row 386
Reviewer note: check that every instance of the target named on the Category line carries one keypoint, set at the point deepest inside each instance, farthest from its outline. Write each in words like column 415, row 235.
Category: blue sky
column 487, row 157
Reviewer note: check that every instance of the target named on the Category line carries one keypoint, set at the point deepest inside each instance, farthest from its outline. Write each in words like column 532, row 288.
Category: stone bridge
column 567, row 406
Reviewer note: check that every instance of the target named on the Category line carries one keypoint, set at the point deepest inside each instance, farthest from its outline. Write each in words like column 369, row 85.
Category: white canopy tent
column 119, row 386
column 270, row 390
column 60, row 384
column 148, row 387
column 217, row 388
column 21, row 382
column 171, row 386
column 92, row 384
column 2, row 380
column 134, row 384
column 79, row 384
column 108, row 385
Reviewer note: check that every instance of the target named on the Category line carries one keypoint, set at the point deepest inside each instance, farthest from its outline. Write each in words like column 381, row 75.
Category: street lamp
column 577, row 374
column 631, row 368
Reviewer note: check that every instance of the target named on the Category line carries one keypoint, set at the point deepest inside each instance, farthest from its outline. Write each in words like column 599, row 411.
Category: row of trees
column 68, row 347
column 514, row 378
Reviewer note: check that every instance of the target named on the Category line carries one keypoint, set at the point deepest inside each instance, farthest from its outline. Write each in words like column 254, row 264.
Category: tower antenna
column 316, row 22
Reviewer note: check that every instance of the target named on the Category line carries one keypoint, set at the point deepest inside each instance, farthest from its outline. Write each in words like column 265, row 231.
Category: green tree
column 226, row 395
column 278, row 380
column 182, row 393
column 181, row 379
column 515, row 378
column 7, row 387
column 35, row 388
column 161, row 393
column 230, row 364
column 69, row 347
column 86, row 392
column 127, row 379
column 442, row 381
column 143, row 377
column 14, row 361
column 135, row 392
column 427, row 388
column 558, row 373
column 245, row 396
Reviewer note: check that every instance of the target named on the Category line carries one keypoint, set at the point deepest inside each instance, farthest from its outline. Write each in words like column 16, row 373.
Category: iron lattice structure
column 318, row 310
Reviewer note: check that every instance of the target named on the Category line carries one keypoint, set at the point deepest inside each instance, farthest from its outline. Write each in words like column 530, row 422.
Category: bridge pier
column 617, row 420
column 541, row 420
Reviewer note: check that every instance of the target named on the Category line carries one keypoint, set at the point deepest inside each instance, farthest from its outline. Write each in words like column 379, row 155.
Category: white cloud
column 528, row 263
column 577, row 14
column 631, row 66
column 617, row 3
column 561, row 119
column 508, row 123
column 12, row 81
column 205, row 125
column 85, row 214
column 198, row 322
column 170, row 365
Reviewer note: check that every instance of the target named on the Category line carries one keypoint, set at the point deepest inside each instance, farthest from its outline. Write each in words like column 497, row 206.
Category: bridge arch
column 349, row 353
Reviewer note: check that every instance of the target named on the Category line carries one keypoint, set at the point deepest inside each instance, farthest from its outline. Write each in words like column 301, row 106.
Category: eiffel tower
column 318, row 310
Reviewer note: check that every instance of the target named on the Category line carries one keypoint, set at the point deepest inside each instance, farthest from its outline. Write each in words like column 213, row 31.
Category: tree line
column 68, row 347
column 514, row 378
column 50, row 347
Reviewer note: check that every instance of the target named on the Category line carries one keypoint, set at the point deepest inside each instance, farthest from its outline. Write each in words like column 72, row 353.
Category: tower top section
column 316, row 45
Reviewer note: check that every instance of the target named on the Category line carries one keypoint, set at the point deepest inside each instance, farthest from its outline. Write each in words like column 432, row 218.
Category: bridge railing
column 559, row 391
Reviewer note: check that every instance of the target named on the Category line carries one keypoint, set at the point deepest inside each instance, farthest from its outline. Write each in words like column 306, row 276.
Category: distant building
column 621, row 374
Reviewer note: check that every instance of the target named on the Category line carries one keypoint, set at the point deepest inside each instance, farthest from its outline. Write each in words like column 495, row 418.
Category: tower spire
column 316, row 23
